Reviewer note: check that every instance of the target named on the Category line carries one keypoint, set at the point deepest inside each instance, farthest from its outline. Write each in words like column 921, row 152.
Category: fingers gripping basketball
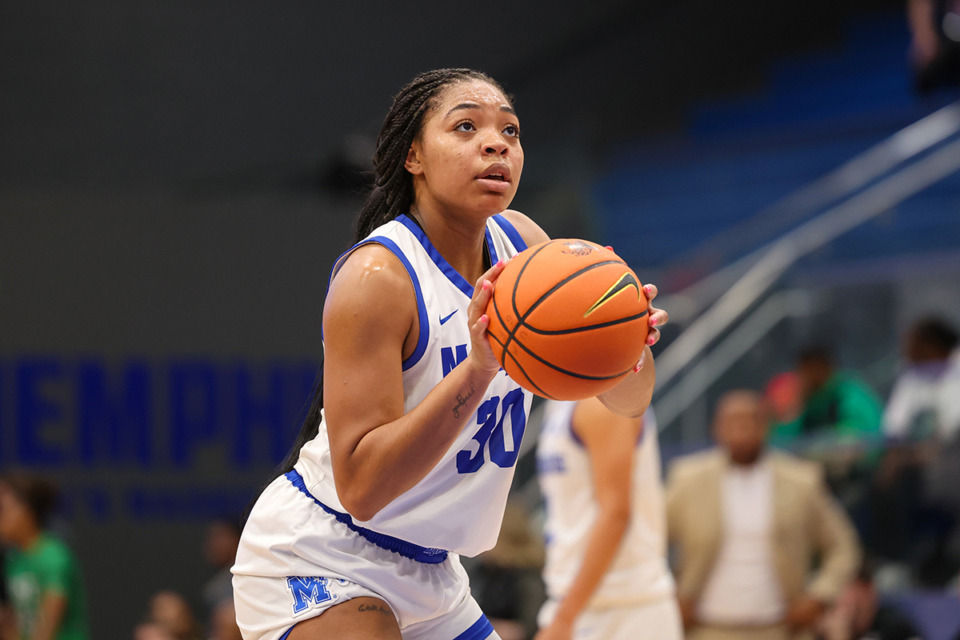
column 567, row 319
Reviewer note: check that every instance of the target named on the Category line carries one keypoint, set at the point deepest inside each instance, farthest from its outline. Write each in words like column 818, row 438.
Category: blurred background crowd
column 176, row 181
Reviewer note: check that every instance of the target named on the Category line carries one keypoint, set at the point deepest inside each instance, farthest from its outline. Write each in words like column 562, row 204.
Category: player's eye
column 466, row 125
column 512, row 130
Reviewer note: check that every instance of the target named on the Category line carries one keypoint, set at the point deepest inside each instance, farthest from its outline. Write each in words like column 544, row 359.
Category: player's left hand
column 655, row 319
column 658, row 317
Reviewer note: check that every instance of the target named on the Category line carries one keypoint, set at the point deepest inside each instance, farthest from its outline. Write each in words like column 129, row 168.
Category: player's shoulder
column 529, row 230
column 369, row 277
column 372, row 263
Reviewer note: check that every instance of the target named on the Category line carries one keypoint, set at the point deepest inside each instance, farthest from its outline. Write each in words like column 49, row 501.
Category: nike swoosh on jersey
column 444, row 320
column 626, row 280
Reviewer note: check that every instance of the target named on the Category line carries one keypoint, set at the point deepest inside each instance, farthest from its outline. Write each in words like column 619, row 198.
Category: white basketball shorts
column 657, row 620
column 297, row 559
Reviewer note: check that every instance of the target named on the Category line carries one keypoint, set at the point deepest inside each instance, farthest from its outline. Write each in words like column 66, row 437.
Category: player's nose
column 494, row 145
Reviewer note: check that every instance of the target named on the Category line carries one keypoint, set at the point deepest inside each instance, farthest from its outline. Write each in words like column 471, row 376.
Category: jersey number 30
column 504, row 443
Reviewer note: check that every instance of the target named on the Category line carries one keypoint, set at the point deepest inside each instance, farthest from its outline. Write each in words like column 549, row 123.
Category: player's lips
column 496, row 177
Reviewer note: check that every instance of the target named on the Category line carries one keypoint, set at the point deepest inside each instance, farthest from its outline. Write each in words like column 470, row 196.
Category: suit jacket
column 807, row 523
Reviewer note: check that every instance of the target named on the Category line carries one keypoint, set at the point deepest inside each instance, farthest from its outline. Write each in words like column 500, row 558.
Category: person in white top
column 606, row 571
column 917, row 476
column 409, row 462
column 925, row 399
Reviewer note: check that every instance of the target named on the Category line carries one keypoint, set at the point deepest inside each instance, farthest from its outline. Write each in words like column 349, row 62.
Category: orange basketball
column 568, row 319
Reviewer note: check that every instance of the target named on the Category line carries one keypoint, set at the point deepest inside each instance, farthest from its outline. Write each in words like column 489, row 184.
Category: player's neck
column 459, row 240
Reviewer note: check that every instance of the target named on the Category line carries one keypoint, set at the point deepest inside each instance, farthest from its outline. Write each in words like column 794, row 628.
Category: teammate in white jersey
column 409, row 461
column 606, row 572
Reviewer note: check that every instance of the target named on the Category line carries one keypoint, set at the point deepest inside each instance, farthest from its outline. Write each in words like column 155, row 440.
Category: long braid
column 392, row 195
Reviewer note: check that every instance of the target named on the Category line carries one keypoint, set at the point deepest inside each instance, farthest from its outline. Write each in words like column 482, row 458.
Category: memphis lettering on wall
column 145, row 440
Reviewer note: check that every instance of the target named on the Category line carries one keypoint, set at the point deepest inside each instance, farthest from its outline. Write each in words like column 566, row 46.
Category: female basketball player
column 606, row 572
column 409, row 463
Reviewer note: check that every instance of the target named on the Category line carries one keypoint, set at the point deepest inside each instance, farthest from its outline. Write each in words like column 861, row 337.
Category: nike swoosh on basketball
column 444, row 320
column 626, row 280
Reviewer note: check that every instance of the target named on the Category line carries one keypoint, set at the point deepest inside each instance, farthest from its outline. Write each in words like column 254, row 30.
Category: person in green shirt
column 838, row 425
column 44, row 584
column 837, row 407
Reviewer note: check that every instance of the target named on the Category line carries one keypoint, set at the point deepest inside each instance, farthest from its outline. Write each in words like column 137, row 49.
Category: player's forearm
column 632, row 396
column 602, row 546
column 392, row 458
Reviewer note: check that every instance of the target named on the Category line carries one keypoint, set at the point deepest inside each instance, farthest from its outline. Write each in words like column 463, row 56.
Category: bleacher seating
column 739, row 155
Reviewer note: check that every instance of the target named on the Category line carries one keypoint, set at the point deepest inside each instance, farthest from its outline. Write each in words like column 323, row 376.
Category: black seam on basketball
column 602, row 325
column 511, row 333
column 572, row 374
column 513, row 299
column 549, row 292
column 503, row 363
column 521, row 323
column 526, row 375
column 503, row 353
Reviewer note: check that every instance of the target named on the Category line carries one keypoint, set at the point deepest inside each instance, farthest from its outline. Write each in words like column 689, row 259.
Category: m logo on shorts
column 307, row 591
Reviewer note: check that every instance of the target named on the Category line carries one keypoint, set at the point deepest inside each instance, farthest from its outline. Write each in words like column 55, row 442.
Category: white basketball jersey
column 459, row 505
column 639, row 571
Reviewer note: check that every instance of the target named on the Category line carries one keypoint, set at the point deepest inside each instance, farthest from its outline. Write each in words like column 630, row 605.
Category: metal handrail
column 778, row 256
column 741, row 339
column 836, row 185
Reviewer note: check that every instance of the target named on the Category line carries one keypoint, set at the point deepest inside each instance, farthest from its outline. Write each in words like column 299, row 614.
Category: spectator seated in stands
column 747, row 525
column 837, row 406
column 921, row 403
column 914, row 499
column 838, row 425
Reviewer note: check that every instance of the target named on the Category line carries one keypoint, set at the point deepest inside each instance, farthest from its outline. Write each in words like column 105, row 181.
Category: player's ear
column 412, row 162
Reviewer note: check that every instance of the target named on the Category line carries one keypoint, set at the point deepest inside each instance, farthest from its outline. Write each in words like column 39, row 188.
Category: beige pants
column 768, row 632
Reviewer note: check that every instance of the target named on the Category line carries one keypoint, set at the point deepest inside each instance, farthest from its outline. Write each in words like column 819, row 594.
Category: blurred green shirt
column 47, row 567
column 844, row 409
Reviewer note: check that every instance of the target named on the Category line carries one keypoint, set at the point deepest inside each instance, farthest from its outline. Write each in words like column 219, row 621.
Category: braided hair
column 391, row 196
column 392, row 193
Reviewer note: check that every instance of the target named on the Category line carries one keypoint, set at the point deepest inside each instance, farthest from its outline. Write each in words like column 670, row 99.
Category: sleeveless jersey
column 639, row 571
column 458, row 506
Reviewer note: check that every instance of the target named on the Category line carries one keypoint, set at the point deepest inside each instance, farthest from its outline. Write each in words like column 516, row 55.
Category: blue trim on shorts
column 406, row 549
column 284, row 636
column 477, row 631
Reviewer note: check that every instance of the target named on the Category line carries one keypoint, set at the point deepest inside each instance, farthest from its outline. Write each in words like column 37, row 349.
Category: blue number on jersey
column 502, row 453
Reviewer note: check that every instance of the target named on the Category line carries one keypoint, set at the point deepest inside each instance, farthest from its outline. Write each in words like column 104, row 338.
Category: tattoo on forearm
column 379, row 608
column 462, row 401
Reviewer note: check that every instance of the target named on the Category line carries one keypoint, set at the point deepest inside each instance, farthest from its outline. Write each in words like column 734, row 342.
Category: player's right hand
column 481, row 354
